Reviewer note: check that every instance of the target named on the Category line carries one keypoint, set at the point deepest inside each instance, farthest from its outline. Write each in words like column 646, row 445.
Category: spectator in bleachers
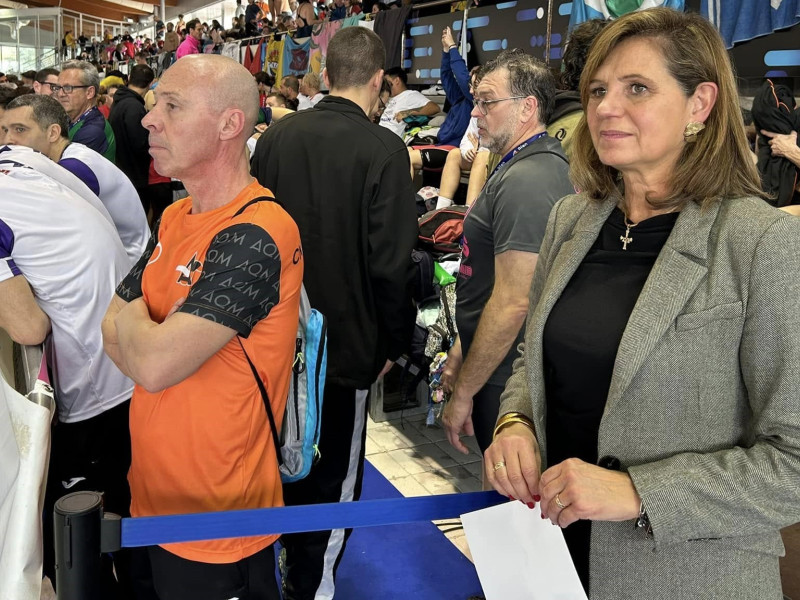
column 502, row 236
column 403, row 102
column 339, row 11
column 78, row 85
column 196, row 398
column 358, row 228
column 353, row 7
column 28, row 77
column 171, row 40
column 306, row 18
column 309, row 92
column 290, row 88
column 471, row 156
column 252, row 14
column 6, row 96
column 568, row 110
column 286, row 23
column 44, row 79
column 191, row 43
column 278, row 9
column 140, row 57
column 60, row 259
column 217, row 33
column 456, row 84
column 39, row 122
column 106, row 99
column 264, row 83
column 277, row 101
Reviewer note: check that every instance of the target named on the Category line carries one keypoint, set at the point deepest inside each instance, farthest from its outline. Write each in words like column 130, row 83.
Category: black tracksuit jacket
column 344, row 180
column 125, row 118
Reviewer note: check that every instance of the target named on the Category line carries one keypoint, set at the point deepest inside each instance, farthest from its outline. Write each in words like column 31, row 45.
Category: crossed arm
column 20, row 315
column 158, row 355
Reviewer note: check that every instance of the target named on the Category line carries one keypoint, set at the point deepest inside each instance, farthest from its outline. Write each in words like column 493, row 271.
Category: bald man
column 217, row 288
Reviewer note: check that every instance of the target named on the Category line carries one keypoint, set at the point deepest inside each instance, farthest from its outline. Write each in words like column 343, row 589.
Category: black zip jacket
column 774, row 110
column 125, row 118
column 344, row 180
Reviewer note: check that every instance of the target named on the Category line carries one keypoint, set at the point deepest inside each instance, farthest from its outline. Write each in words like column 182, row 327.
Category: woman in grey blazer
column 655, row 409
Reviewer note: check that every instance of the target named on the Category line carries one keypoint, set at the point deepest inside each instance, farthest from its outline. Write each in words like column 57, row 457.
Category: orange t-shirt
column 204, row 444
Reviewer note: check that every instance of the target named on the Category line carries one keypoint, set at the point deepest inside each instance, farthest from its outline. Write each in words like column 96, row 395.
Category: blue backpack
column 298, row 449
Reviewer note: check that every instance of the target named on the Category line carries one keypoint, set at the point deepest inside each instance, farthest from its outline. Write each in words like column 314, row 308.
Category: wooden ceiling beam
column 96, row 8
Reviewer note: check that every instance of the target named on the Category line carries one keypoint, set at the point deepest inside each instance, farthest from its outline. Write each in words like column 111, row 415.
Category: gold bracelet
column 511, row 418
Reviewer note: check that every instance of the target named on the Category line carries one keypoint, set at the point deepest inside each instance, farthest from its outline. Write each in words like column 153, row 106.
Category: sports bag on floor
column 440, row 230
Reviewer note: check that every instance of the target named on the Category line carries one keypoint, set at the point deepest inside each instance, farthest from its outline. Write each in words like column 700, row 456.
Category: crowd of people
column 624, row 356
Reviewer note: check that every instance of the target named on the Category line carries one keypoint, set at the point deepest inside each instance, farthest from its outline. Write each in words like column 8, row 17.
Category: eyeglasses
column 68, row 89
column 482, row 104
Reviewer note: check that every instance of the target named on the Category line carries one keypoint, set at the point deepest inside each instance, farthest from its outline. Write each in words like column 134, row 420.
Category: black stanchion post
column 82, row 533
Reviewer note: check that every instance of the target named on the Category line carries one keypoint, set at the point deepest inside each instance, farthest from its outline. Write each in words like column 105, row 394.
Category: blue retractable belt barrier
column 150, row 531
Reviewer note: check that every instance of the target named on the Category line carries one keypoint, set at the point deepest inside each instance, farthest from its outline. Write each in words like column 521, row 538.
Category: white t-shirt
column 407, row 100
column 116, row 192
column 466, row 143
column 73, row 258
column 304, row 102
column 35, row 160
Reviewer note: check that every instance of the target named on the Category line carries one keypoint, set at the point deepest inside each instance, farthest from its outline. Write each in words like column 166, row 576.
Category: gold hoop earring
column 691, row 130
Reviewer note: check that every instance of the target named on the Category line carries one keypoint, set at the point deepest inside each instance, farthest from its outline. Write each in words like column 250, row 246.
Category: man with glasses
column 503, row 232
column 76, row 90
column 44, row 80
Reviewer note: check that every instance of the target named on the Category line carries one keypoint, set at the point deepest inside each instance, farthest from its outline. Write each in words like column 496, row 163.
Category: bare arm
column 784, row 145
column 158, row 355
column 500, row 322
column 430, row 109
column 20, row 315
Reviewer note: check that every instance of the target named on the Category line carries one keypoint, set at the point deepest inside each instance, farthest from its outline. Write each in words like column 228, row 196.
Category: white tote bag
column 24, row 454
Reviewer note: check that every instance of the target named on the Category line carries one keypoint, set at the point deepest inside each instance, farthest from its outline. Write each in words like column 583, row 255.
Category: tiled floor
column 419, row 461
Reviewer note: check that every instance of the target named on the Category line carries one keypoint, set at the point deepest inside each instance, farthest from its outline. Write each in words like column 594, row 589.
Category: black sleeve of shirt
column 241, row 279
column 393, row 231
column 131, row 287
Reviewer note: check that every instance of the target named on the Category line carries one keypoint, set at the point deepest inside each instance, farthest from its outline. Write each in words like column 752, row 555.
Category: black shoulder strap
column 260, row 383
column 255, row 201
column 265, row 397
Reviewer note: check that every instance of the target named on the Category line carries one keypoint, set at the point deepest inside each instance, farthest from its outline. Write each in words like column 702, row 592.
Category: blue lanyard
column 511, row 154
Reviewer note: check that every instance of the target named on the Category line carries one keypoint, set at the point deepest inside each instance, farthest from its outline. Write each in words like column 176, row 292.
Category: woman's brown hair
column 718, row 165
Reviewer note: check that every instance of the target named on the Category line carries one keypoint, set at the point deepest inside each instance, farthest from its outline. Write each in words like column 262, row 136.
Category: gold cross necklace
column 626, row 239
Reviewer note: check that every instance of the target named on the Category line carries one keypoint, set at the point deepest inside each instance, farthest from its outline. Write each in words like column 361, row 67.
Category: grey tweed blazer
column 704, row 406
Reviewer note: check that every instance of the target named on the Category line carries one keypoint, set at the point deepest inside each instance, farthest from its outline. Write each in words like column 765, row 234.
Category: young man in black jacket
column 356, row 214
column 133, row 156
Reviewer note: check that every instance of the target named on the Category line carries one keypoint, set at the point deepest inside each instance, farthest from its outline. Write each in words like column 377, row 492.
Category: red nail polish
column 536, row 497
column 543, row 516
column 531, row 504
column 511, row 498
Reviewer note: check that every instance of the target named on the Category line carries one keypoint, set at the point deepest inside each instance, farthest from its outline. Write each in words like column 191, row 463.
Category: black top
column 125, row 118
column 358, row 223
column 580, row 344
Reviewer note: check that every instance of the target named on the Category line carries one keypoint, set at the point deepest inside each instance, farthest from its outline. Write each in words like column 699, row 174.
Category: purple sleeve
column 82, row 171
column 8, row 268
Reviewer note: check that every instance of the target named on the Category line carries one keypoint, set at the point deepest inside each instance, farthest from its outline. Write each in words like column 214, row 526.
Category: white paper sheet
column 519, row 555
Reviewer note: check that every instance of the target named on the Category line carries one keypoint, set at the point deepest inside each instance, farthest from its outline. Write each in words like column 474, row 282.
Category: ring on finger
column 560, row 504
column 500, row 464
